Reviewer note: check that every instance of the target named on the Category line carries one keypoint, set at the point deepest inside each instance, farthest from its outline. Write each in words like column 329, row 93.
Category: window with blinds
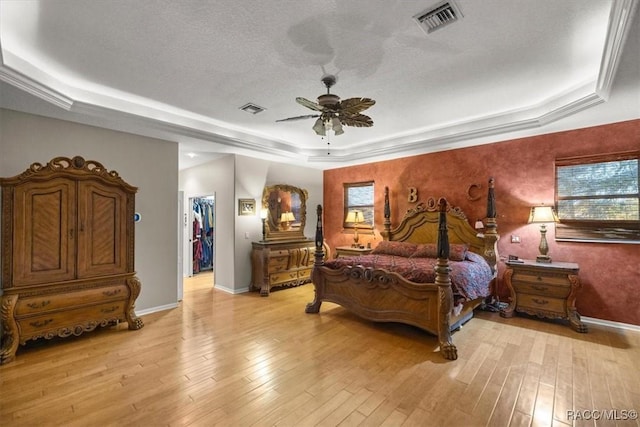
column 598, row 198
column 359, row 196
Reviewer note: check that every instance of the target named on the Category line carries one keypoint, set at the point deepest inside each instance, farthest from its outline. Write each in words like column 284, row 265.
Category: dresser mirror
column 286, row 207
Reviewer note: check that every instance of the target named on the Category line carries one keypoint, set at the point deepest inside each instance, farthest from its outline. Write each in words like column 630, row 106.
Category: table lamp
column 355, row 217
column 543, row 214
column 285, row 220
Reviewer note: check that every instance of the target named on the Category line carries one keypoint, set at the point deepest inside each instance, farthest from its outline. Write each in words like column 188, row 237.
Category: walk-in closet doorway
column 201, row 236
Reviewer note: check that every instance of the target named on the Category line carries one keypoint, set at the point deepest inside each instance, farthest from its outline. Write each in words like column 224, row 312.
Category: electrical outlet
column 515, row 239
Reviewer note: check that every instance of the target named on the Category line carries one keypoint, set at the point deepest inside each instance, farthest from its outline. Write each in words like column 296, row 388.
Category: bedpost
column 491, row 236
column 386, row 233
column 316, row 277
column 319, row 254
column 443, row 281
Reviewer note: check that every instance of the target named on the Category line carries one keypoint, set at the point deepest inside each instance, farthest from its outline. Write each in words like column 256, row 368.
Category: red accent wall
column 525, row 176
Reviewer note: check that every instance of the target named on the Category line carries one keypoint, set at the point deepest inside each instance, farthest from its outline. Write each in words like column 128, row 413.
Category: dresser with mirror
column 284, row 257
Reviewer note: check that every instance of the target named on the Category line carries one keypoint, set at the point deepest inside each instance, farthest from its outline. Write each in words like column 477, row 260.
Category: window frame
column 362, row 227
column 597, row 231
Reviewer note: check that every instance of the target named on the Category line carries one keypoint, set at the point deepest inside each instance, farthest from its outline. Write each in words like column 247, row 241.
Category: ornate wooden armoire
column 67, row 252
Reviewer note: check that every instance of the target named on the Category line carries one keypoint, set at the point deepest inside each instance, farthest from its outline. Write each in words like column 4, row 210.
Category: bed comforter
column 470, row 279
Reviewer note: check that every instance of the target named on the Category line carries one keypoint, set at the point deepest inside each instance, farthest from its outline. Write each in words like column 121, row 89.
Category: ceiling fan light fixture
column 319, row 127
column 332, row 113
column 336, row 126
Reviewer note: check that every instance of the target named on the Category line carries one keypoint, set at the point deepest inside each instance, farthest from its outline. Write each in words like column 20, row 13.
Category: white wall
column 238, row 177
column 147, row 163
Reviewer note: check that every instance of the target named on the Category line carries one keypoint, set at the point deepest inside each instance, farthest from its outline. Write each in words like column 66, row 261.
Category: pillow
column 457, row 251
column 386, row 247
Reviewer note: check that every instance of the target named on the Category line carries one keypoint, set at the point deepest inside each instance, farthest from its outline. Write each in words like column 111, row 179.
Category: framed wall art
column 246, row 206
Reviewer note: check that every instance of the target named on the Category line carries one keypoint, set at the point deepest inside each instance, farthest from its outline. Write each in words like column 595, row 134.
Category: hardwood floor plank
column 506, row 401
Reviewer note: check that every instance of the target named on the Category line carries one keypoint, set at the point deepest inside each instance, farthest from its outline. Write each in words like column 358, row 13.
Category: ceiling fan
column 333, row 113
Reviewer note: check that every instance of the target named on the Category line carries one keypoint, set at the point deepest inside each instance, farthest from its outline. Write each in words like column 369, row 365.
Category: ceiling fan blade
column 309, row 104
column 356, row 120
column 308, row 116
column 356, row 105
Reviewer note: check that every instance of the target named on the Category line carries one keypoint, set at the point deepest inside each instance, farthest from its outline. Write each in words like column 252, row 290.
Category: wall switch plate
column 246, row 234
column 515, row 239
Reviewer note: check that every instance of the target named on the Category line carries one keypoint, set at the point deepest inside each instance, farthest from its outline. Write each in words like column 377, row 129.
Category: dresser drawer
column 304, row 274
column 278, row 263
column 542, row 303
column 276, row 253
column 545, row 289
column 44, row 303
column 76, row 320
column 283, row 277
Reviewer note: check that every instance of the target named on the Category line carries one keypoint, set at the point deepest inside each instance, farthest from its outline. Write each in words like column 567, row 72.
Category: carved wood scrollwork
column 471, row 197
column 373, row 278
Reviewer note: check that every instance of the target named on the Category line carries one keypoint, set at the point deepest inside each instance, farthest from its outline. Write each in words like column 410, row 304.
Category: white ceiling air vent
column 438, row 16
column 252, row 108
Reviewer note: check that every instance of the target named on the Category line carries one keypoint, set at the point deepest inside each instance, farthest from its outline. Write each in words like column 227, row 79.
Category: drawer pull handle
column 539, row 279
column 109, row 310
column 540, row 301
column 40, row 304
column 111, row 292
column 540, row 288
column 40, row 323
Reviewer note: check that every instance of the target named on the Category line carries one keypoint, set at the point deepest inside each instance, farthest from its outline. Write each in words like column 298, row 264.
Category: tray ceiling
column 182, row 70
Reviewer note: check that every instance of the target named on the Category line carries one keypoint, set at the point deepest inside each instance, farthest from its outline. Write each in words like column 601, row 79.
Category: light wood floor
column 241, row 360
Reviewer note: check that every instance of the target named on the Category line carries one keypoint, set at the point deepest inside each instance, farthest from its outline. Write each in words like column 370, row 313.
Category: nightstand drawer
column 545, row 289
column 543, row 303
column 540, row 277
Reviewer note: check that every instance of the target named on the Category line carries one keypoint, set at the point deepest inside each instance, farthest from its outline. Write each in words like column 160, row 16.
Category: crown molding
column 620, row 20
column 34, row 88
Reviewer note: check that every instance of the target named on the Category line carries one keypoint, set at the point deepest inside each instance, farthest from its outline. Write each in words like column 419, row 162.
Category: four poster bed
column 430, row 271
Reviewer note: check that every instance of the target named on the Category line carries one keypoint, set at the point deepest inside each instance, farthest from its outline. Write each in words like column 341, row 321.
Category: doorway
column 201, row 238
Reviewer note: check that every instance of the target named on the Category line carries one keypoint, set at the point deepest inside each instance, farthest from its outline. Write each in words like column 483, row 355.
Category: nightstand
column 544, row 290
column 351, row 251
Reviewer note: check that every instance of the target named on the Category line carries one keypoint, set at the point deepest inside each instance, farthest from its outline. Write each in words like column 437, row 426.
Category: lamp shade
column 264, row 213
column 542, row 214
column 354, row 217
column 287, row 217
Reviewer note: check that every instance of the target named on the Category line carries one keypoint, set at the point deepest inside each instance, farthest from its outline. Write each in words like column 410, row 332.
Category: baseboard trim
column 229, row 290
column 157, row 309
column 610, row 323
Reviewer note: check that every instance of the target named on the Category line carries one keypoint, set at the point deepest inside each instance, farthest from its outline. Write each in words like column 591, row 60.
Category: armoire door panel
column 102, row 233
column 44, row 227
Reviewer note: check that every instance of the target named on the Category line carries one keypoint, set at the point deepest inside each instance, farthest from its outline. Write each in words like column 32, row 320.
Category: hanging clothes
column 203, row 229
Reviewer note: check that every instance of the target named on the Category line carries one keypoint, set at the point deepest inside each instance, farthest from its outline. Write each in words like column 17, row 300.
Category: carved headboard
column 420, row 225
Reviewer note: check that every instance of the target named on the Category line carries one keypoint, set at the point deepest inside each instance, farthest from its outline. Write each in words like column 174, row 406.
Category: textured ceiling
column 180, row 70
